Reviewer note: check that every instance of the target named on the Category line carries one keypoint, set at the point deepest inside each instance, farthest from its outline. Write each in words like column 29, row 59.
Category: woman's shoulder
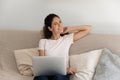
column 42, row 40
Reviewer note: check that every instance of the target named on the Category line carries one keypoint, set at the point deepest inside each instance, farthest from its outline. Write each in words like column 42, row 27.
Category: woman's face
column 56, row 26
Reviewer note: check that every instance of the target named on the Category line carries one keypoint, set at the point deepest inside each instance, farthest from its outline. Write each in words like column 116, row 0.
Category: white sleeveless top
column 59, row 47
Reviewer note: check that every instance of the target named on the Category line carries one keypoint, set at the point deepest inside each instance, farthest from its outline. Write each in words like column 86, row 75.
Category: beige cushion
column 24, row 60
column 85, row 64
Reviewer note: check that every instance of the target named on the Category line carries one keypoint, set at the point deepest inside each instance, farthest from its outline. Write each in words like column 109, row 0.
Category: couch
column 11, row 40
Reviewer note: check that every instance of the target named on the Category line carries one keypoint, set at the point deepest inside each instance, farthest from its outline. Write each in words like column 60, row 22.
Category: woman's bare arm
column 80, row 31
column 41, row 53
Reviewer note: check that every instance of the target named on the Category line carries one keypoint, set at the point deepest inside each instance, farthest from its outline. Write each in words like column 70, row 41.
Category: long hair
column 47, row 23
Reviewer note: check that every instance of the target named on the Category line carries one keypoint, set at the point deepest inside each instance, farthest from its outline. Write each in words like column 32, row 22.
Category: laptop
column 48, row 65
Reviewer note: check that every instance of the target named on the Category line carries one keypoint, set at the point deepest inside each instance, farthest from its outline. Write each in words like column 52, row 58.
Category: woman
column 56, row 41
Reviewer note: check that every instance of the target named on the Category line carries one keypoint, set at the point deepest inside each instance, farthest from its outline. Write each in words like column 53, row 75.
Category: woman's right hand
column 71, row 70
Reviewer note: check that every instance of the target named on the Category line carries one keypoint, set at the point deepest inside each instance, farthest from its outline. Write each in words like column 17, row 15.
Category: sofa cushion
column 97, row 41
column 24, row 60
column 85, row 64
column 108, row 67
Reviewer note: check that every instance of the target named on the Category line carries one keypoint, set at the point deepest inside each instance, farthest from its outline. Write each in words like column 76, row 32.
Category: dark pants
column 55, row 77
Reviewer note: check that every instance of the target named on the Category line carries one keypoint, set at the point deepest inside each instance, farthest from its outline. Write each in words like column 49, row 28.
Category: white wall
column 20, row 14
column 103, row 15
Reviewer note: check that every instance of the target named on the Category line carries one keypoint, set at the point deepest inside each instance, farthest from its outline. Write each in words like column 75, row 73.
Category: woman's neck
column 55, row 36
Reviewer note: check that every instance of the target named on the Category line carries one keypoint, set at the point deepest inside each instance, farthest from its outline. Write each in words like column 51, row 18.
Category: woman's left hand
column 71, row 70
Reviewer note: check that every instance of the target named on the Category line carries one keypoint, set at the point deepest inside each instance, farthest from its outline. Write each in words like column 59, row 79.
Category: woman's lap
column 55, row 77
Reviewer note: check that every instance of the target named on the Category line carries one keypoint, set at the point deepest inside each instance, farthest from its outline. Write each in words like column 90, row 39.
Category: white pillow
column 24, row 60
column 85, row 64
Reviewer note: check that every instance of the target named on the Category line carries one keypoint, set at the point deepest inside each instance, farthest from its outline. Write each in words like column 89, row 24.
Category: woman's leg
column 40, row 78
column 61, row 77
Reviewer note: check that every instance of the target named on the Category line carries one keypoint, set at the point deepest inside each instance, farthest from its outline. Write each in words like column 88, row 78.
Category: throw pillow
column 108, row 67
column 85, row 64
column 24, row 60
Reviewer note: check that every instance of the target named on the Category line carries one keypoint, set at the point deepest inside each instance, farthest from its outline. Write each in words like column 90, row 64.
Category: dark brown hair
column 47, row 23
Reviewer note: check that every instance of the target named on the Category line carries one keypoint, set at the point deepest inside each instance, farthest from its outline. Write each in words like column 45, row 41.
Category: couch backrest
column 97, row 41
column 20, row 39
column 12, row 40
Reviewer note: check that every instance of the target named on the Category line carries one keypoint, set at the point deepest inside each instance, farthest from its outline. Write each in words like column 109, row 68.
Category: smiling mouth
column 60, row 30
